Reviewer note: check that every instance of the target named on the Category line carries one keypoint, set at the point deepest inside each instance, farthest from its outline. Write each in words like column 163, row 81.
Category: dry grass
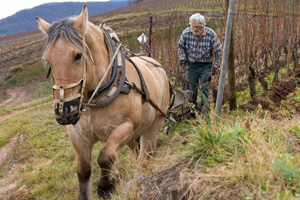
column 257, row 164
column 252, row 174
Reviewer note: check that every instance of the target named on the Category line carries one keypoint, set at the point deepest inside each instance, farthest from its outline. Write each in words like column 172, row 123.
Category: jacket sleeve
column 182, row 53
column 218, row 52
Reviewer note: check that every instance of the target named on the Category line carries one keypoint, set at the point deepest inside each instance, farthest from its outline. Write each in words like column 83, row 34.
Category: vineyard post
column 224, row 62
column 150, row 35
column 231, row 71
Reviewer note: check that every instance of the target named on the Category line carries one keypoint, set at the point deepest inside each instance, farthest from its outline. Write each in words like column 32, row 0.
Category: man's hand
column 184, row 64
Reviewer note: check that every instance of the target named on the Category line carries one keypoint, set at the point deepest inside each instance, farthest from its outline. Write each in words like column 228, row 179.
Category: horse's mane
column 64, row 28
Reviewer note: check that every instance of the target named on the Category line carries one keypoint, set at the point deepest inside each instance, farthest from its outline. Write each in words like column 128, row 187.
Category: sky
column 10, row 7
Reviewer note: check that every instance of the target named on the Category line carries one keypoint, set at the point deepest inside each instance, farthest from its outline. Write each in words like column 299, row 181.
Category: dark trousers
column 196, row 73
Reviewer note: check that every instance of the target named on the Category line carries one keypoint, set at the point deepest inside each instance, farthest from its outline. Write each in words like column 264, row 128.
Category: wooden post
column 150, row 36
column 224, row 62
column 295, row 53
column 231, row 72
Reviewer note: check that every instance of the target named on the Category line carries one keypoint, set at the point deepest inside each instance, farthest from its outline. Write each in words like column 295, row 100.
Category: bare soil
column 17, row 97
column 278, row 92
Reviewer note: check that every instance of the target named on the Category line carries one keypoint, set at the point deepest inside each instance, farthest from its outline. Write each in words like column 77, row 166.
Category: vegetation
column 243, row 156
column 248, row 153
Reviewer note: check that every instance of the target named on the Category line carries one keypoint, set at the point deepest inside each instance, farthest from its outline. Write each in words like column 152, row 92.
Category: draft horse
column 80, row 55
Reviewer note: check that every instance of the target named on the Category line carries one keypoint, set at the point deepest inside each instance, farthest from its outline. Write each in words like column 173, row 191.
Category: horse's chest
column 96, row 130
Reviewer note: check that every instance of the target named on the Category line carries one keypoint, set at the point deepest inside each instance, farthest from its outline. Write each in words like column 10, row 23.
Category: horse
column 80, row 59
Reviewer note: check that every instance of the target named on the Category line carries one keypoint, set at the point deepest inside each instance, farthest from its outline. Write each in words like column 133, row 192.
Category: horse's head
column 69, row 56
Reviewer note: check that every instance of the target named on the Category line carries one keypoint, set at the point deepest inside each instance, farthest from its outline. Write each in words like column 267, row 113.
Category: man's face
column 197, row 28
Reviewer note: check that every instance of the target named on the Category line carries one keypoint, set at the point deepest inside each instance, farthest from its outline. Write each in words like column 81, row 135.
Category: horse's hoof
column 105, row 191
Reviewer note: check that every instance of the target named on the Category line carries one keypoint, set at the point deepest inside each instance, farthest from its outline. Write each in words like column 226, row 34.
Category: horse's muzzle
column 69, row 114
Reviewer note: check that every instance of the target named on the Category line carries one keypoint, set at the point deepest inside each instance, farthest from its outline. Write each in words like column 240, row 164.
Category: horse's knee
column 106, row 160
column 84, row 173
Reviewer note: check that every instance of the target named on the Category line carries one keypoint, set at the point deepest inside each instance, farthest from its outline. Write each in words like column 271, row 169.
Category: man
column 198, row 46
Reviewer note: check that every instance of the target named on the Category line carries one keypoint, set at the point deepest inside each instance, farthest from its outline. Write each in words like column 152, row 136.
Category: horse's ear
column 44, row 26
column 81, row 22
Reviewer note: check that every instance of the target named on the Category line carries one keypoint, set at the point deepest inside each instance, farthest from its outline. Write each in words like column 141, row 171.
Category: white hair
column 197, row 17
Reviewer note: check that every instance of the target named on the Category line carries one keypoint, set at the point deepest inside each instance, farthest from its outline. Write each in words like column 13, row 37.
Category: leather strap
column 104, row 97
column 144, row 88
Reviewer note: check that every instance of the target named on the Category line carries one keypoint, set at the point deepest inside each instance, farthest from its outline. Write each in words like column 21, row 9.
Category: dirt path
column 8, row 148
column 17, row 97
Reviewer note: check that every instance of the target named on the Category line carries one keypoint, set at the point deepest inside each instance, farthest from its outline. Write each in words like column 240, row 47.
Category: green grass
column 29, row 104
column 236, row 151
column 215, row 147
column 46, row 160
column 14, row 125
column 20, row 75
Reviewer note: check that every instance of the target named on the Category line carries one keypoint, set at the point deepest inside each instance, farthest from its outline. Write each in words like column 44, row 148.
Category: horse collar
column 110, row 90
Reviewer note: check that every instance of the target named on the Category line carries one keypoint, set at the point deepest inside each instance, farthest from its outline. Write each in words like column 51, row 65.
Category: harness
column 118, row 83
column 110, row 90
column 68, row 110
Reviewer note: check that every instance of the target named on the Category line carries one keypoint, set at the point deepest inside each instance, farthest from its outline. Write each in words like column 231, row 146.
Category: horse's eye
column 78, row 56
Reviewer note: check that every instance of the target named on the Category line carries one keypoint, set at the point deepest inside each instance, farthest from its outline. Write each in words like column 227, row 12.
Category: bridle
column 68, row 110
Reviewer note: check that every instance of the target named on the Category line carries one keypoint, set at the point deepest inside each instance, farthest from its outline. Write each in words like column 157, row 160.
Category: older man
column 197, row 47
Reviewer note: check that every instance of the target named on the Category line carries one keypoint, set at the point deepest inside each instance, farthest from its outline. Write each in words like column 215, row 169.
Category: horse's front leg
column 108, row 154
column 82, row 148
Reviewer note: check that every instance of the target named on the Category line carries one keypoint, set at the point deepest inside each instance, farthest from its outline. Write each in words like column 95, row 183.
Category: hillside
column 251, row 152
column 24, row 20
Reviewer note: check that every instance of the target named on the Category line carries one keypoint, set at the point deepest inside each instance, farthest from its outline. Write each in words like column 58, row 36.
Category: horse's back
column 156, row 80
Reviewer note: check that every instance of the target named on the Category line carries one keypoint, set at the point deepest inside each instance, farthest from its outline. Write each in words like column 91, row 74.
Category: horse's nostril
column 67, row 109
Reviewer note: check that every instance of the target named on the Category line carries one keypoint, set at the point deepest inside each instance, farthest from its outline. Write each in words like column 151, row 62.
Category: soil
column 278, row 92
column 17, row 97
column 281, row 90
column 7, row 149
column 252, row 104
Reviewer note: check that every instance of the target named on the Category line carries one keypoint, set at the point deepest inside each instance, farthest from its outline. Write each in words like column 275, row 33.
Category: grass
column 250, row 158
column 13, row 126
column 22, row 75
column 242, row 156
column 32, row 103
